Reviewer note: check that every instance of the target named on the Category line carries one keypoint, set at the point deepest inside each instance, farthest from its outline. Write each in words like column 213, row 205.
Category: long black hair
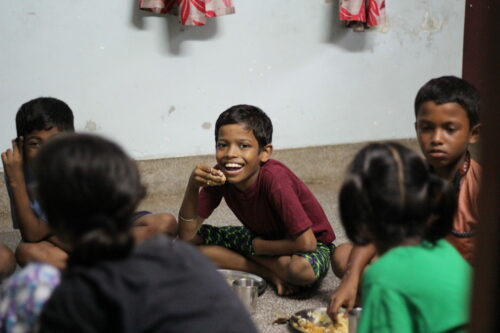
column 89, row 189
column 390, row 196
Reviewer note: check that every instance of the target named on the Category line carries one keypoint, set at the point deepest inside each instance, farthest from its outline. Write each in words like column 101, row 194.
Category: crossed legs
column 287, row 273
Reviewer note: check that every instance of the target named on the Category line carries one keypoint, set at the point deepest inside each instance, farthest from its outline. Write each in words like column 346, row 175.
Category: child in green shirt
column 420, row 283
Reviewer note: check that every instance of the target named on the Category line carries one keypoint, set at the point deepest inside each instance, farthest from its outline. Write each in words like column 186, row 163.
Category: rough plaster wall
column 157, row 87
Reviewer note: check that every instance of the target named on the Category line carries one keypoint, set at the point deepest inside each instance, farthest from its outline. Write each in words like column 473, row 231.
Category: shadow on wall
column 176, row 34
column 342, row 36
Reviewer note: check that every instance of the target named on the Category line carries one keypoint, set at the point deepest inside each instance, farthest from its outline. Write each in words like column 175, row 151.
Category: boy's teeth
column 233, row 165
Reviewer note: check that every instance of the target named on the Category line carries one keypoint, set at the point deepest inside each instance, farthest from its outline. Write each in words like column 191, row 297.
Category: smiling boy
column 286, row 237
column 447, row 122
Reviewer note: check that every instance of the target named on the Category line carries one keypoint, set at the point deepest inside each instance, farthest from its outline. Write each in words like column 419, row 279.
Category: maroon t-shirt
column 278, row 205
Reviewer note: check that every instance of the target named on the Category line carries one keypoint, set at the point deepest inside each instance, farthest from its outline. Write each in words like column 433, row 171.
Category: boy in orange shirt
column 447, row 122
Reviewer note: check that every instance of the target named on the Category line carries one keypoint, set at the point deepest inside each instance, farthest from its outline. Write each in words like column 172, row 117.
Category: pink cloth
column 191, row 12
column 370, row 12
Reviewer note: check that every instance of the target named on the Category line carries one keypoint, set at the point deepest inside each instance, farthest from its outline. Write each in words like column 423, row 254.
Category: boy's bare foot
column 285, row 289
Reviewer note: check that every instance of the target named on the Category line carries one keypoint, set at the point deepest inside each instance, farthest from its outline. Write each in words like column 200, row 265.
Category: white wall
column 158, row 87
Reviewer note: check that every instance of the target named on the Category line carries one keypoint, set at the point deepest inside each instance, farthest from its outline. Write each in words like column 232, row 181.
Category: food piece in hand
column 222, row 178
column 219, row 176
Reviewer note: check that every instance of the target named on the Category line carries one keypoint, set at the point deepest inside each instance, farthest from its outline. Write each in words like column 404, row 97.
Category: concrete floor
column 321, row 168
column 269, row 305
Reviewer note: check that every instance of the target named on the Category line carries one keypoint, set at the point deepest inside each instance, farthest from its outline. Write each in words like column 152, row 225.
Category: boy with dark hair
column 447, row 121
column 37, row 121
column 286, row 237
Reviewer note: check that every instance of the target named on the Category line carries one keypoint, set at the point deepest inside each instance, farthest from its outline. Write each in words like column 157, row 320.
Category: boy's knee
column 22, row 254
column 168, row 224
column 41, row 252
column 7, row 262
column 164, row 223
column 300, row 271
column 340, row 258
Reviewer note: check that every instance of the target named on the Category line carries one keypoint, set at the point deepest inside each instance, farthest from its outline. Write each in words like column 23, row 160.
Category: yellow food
column 323, row 324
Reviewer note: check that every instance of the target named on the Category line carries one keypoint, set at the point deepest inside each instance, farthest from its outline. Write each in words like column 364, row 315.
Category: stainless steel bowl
column 231, row 275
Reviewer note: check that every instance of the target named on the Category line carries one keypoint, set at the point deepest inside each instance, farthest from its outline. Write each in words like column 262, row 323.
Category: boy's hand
column 206, row 176
column 12, row 160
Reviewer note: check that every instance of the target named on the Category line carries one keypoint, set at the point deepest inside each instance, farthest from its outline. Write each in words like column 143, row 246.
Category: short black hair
column 89, row 188
column 390, row 195
column 44, row 113
column 254, row 119
column 449, row 89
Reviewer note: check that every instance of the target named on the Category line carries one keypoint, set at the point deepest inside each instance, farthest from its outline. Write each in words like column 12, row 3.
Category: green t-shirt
column 421, row 288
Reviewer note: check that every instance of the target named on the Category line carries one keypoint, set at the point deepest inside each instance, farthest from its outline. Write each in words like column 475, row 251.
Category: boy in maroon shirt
column 286, row 237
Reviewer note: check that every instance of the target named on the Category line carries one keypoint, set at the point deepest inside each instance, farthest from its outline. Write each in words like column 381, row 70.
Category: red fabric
column 279, row 205
column 371, row 12
column 191, row 12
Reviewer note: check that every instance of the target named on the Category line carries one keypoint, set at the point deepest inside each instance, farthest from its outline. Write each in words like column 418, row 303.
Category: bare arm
column 304, row 242
column 59, row 243
column 32, row 228
column 189, row 221
column 346, row 292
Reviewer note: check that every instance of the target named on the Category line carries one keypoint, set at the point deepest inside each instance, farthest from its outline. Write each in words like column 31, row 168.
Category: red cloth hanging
column 191, row 12
column 368, row 12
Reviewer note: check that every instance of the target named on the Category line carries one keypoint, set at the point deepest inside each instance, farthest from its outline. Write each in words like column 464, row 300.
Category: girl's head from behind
column 391, row 198
column 89, row 189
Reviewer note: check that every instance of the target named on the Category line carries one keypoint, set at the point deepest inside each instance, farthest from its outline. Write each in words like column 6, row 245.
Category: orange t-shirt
column 467, row 216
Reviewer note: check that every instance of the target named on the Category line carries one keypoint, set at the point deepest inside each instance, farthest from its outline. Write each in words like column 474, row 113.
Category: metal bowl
column 231, row 275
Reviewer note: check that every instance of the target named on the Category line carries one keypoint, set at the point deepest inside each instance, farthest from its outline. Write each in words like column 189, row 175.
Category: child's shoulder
column 475, row 167
column 474, row 174
column 402, row 261
column 275, row 166
column 274, row 170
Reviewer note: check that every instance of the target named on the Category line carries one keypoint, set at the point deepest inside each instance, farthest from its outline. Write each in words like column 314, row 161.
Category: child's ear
column 266, row 152
column 475, row 134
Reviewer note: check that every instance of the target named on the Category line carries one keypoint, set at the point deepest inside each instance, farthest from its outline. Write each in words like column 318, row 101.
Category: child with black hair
column 90, row 189
column 447, row 122
column 286, row 237
column 37, row 122
column 420, row 283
